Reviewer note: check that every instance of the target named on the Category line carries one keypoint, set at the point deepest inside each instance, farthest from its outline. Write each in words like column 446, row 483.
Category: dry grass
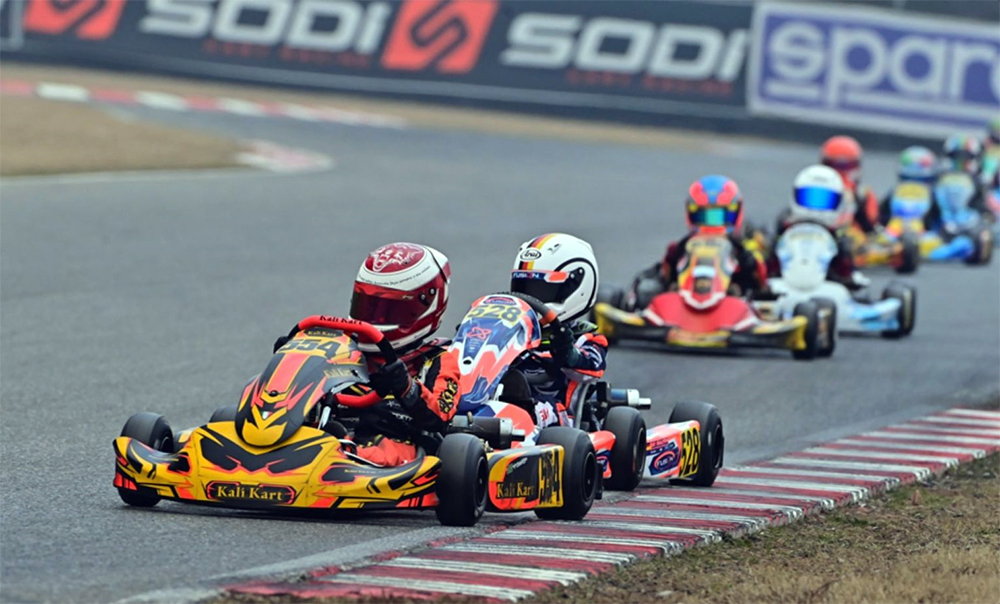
column 51, row 137
column 417, row 114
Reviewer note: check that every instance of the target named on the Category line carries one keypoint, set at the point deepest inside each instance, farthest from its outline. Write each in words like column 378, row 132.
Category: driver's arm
column 435, row 398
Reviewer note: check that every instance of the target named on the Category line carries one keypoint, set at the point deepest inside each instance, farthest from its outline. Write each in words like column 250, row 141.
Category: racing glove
column 563, row 347
column 393, row 379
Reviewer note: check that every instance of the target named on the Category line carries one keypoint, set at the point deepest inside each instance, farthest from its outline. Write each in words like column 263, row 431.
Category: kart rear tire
column 152, row 430
column 463, row 480
column 225, row 413
column 982, row 241
column 628, row 455
column 713, row 440
column 907, row 315
column 910, row 256
column 811, row 313
column 581, row 478
column 831, row 326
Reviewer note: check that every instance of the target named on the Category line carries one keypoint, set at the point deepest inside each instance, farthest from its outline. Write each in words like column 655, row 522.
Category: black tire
column 581, row 477
column 713, row 440
column 153, row 431
column 982, row 241
column 611, row 294
column 910, row 256
column 907, row 316
column 462, row 480
column 811, row 313
column 830, row 343
column 225, row 413
column 628, row 456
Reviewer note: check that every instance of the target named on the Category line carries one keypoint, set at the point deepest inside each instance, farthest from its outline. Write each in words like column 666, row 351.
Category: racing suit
column 750, row 274
column 586, row 357
column 842, row 269
column 866, row 211
column 932, row 219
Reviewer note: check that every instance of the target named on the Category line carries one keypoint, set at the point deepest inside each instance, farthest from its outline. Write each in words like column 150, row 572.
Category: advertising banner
column 684, row 57
column 872, row 69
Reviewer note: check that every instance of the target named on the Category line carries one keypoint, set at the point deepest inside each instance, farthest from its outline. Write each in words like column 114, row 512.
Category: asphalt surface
column 166, row 295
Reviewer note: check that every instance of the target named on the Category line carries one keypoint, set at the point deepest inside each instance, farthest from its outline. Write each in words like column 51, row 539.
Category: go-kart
column 961, row 232
column 901, row 251
column 705, row 313
column 805, row 251
column 600, row 427
column 264, row 453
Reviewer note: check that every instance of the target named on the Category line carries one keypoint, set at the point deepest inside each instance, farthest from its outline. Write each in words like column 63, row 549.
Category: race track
column 166, row 295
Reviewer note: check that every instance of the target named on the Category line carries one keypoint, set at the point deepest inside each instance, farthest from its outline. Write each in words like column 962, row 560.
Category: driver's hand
column 393, row 379
column 563, row 350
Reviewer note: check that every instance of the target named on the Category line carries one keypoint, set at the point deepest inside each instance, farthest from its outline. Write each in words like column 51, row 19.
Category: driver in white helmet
column 818, row 197
column 561, row 271
column 402, row 289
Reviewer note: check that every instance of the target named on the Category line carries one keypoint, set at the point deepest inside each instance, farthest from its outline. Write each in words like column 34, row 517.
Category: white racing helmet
column 560, row 270
column 818, row 196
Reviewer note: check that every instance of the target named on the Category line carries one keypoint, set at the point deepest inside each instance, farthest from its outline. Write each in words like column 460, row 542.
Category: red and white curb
column 196, row 103
column 519, row 561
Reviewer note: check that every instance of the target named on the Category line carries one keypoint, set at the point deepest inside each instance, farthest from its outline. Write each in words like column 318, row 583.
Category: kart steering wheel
column 546, row 318
column 366, row 332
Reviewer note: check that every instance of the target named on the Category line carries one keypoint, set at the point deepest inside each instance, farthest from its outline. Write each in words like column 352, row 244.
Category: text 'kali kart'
column 499, row 352
column 263, row 455
column 704, row 313
column 805, row 251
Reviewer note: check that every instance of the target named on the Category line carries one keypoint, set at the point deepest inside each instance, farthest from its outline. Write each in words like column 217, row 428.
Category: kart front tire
column 225, row 413
column 909, row 256
column 907, row 314
column 462, row 481
column 581, row 477
column 152, row 430
column 811, row 314
column 982, row 241
column 628, row 455
column 830, row 344
column 713, row 440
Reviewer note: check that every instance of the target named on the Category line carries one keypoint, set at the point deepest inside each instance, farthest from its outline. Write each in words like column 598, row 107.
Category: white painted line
column 791, row 511
column 161, row 100
column 918, row 472
column 711, row 535
column 931, row 439
column 664, row 544
column 241, row 107
column 925, row 428
column 868, row 454
column 986, row 424
column 585, row 555
column 465, row 589
column 757, row 494
column 911, row 447
column 793, row 473
column 995, row 415
column 564, row 577
column 857, row 493
column 677, row 515
column 299, row 112
column 62, row 92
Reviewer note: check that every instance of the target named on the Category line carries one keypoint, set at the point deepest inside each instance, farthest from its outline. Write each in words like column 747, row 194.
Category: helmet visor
column 547, row 286
column 814, row 198
column 713, row 217
column 843, row 166
column 379, row 310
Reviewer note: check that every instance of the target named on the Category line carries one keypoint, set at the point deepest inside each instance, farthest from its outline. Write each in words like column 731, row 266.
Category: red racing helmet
column 402, row 289
column 843, row 154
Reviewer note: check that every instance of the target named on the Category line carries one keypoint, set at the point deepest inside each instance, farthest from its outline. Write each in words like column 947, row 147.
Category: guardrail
column 782, row 69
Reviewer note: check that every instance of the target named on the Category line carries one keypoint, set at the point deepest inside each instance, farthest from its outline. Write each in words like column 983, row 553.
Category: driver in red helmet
column 714, row 207
column 843, row 154
column 402, row 289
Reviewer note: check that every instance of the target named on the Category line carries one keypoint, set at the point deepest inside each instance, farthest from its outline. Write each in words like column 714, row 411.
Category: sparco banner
column 882, row 71
column 676, row 57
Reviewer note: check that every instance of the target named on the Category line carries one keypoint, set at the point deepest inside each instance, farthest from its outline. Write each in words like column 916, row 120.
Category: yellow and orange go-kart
column 262, row 455
column 884, row 248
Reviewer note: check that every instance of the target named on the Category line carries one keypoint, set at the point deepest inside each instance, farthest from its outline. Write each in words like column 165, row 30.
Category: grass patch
column 39, row 136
